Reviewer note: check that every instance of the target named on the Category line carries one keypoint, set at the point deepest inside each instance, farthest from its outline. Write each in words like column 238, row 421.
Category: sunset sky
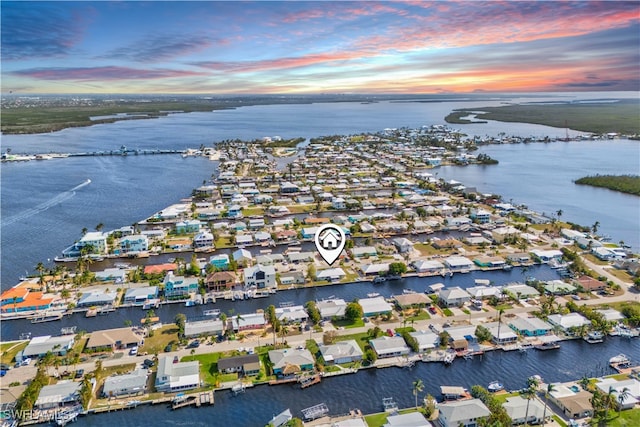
column 319, row 47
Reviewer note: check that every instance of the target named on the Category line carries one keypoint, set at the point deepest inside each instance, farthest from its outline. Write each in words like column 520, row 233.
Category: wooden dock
column 205, row 398
column 309, row 381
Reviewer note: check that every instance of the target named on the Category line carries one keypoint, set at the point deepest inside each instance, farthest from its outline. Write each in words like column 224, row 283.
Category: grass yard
column 502, row 397
column 594, row 260
column 347, row 324
column 252, row 211
column 447, row 312
column 618, row 305
column 362, row 339
column 626, row 418
column 426, row 249
column 208, row 366
column 620, row 274
column 10, row 349
column 161, row 338
column 416, row 314
column 560, row 421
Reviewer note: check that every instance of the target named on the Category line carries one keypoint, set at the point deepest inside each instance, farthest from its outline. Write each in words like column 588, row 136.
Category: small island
column 629, row 184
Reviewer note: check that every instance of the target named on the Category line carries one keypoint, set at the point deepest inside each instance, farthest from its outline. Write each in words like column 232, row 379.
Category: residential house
column 372, row 307
column 480, row 215
column 458, row 263
column 63, row 393
column 242, row 257
column 628, row 400
column 374, row 269
column 244, row 322
column 177, row 287
column 296, row 257
column 160, row 268
column 574, row 404
column 529, row 326
column 209, row 327
column 465, row 413
column 453, row 297
column 203, row 239
column 558, row 287
column 138, row 296
column 523, row 411
column 134, row 243
column 114, row 339
column 411, row 419
column 172, row 377
column 417, row 299
column 341, row 352
column 291, row 361
column 130, row 384
column 116, row 275
column 403, row 245
column 589, row 284
column 94, row 241
column 39, row 346
column 389, row 346
column 220, row 261
column 22, row 299
column 501, row 334
column 446, row 243
column 97, row 298
column 292, row 278
column 547, row 255
column 363, row 251
column 428, row 266
column 427, row 340
column 188, row 226
column 521, row 291
column 568, row 321
column 221, row 281
column 331, row 308
column 247, row 365
column 331, row 274
column 489, row 262
column 501, row 234
column 260, row 276
column 338, row 203
column 294, row 313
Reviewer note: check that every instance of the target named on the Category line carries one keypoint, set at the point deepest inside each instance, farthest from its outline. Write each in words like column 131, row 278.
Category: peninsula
column 629, row 184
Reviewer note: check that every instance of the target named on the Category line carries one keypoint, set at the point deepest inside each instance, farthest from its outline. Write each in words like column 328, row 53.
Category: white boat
column 373, row 294
column 408, row 291
column 379, row 279
column 495, row 386
column 594, row 337
column 619, row 359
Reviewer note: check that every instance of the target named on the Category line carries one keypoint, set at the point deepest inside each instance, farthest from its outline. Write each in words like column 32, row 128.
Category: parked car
column 148, row 363
column 168, row 348
column 3, row 372
column 133, row 351
column 175, row 359
column 390, row 332
column 26, row 361
column 5, row 366
column 194, row 344
column 79, row 373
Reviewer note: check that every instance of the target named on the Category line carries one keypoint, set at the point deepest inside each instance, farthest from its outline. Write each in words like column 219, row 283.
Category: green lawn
column 629, row 418
column 362, row 339
column 252, row 211
column 10, row 349
column 560, row 421
column 347, row 324
column 208, row 366
column 502, row 397
column 447, row 312
column 160, row 339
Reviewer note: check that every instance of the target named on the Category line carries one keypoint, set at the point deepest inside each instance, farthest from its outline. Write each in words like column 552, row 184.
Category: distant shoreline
column 628, row 184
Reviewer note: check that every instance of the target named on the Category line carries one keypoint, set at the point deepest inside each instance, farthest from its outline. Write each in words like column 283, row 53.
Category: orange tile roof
column 33, row 299
column 159, row 268
column 18, row 292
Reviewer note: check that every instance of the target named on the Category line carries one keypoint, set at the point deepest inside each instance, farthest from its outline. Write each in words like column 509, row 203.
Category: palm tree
column 418, row 386
column 623, row 395
column 40, row 269
column 585, row 382
column 500, row 312
column 595, row 227
column 529, row 393
column 550, row 388
column 99, row 227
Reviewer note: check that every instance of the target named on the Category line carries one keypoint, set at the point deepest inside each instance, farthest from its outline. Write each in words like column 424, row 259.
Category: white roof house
column 177, row 376
column 520, row 290
column 457, row 263
column 633, row 389
column 64, row 392
column 462, row 412
column 131, row 383
column 481, row 292
column 518, row 408
column 611, row 315
column 411, row 419
column 295, row 313
column 332, row 308
column 203, row 327
column 39, row 346
column 374, row 268
column 566, row 321
column 331, row 274
column 424, row 266
column 389, row 346
column 341, row 352
column 426, row 339
column 453, row 296
column 374, row 306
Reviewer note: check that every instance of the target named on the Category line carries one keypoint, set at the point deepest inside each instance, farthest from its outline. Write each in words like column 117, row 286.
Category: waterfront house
column 428, row 266
column 568, row 321
column 116, row 275
column 178, row 287
column 547, row 255
column 39, row 346
column 628, row 400
column 160, row 268
column 403, row 244
column 501, row 335
column 574, row 404
column 446, row 243
column 242, row 257
column 521, row 258
column 465, row 413
column 417, row 299
column 338, row 203
column 558, row 287
column 521, row 291
column 139, row 296
column 247, row 365
column 372, row 307
column 453, row 297
column 523, row 411
column 289, row 188
column 188, row 226
column 243, row 239
column 482, row 292
column 572, row 234
column 374, row 269
column 332, row 308
column 389, row 346
column 244, row 322
column 341, row 352
column 529, row 326
column 269, row 259
column 113, row 339
column 220, row 281
column 134, row 243
column 292, row 314
column 97, row 298
column 458, row 263
column 203, row 239
column 489, row 262
column 262, row 236
column 363, row 251
column 309, row 233
column 95, row 241
column 284, row 236
column 238, row 226
column 427, row 340
column 180, row 244
column 203, row 327
column 480, row 215
column 611, row 315
column 220, row 261
column 130, row 384
column 260, row 276
column 459, row 220
column 290, row 361
column 500, row 234
column 172, row 377
column 292, row 278
column 296, row 257
column 331, row 274
column 64, row 393
column 21, row 299
column 589, row 284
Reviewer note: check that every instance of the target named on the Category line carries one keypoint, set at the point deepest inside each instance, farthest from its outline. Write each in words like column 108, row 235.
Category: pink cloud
column 280, row 63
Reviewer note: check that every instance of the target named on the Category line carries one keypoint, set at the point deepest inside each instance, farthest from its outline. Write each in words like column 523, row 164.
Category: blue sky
column 319, row 47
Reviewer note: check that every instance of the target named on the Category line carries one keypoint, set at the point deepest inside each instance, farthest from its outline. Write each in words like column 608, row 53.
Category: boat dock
column 309, row 381
column 314, row 412
column 193, row 399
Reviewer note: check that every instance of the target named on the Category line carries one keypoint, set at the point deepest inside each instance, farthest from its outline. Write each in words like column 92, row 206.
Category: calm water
column 366, row 389
column 41, row 215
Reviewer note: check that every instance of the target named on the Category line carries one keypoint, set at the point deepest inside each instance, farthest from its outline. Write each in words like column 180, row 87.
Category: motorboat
column 619, row 359
column 495, row 386
column 373, row 294
column 594, row 337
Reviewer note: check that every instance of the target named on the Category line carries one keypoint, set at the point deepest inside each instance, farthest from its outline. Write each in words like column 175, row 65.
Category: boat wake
column 62, row 197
